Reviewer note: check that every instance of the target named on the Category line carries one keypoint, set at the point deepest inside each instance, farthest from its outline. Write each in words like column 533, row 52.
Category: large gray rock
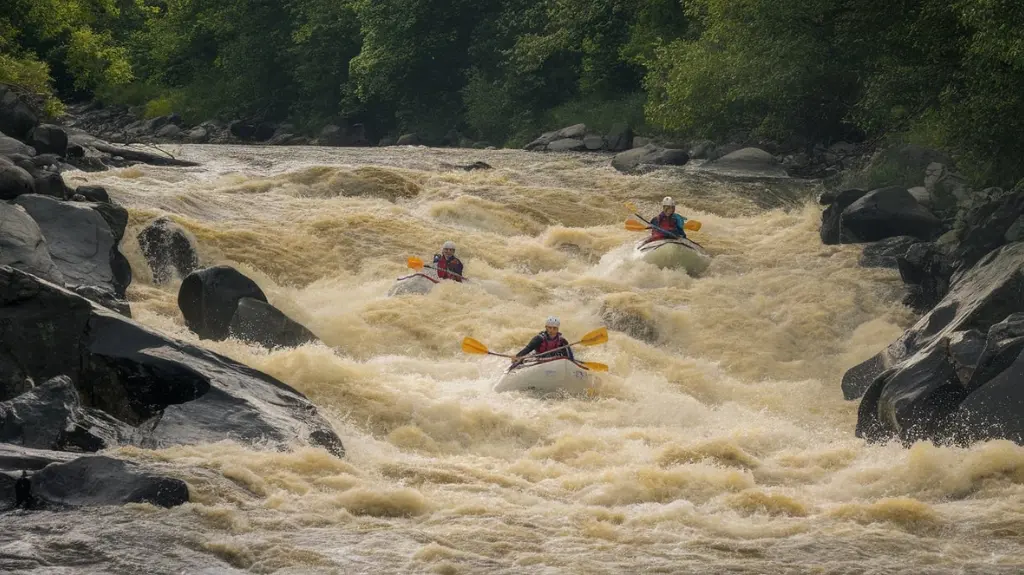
column 81, row 240
column 631, row 160
column 9, row 146
column 620, row 138
column 49, row 139
column 884, row 254
column 100, row 480
column 985, row 222
column 566, row 145
column 168, row 249
column 14, row 180
column 258, row 322
column 919, row 380
column 747, row 161
column 171, row 392
column 17, row 118
column 51, row 416
column 22, row 244
column 50, row 184
column 209, row 297
column 885, row 213
column 831, row 219
column 542, row 142
column 993, row 411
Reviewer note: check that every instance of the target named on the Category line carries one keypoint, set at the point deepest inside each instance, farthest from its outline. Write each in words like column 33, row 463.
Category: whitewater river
column 720, row 442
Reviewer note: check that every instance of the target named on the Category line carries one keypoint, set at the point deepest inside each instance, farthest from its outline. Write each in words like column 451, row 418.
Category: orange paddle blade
column 470, row 345
column 414, row 263
column 635, row 226
column 692, row 225
column 598, row 336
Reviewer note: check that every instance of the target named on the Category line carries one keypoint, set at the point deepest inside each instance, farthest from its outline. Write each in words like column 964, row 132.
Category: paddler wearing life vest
column 547, row 343
column 447, row 265
column 667, row 220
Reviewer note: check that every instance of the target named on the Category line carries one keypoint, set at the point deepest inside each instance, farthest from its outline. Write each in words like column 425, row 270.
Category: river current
column 719, row 442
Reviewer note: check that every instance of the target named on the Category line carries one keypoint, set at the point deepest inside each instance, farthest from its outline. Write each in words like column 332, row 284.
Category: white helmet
column 448, row 245
column 552, row 322
column 668, row 201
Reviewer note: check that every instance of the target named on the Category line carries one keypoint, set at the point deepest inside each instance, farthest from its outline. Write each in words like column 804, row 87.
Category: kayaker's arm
column 530, row 347
column 456, row 268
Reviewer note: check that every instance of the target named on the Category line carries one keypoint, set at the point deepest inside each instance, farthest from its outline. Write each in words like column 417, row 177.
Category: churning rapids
column 720, row 442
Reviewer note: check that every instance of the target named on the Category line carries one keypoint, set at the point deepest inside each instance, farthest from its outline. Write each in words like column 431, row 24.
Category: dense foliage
column 945, row 73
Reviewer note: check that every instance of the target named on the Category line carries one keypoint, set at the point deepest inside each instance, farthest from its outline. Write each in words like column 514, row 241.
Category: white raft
column 418, row 283
column 552, row 376
column 674, row 253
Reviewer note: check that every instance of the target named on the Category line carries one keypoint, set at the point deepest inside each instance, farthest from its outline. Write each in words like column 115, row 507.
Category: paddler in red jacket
column 447, row 265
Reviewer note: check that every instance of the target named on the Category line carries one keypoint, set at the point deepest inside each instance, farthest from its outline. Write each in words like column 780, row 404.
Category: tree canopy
column 939, row 72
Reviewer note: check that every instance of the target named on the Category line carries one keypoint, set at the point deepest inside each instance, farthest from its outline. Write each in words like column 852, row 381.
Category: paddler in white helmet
column 548, row 344
column 669, row 221
column 447, row 265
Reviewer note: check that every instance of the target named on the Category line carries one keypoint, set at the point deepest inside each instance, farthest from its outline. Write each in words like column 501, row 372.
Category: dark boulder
column 620, row 138
column 168, row 249
column 51, row 416
column 171, row 392
column 927, row 268
column 631, row 160
column 14, row 180
column 993, row 411
column 747, row 162
column 104, row 297
column 885, row 213
column 256, row 321
column 919, row 379
column 11, row 147
column 832, row 217
column 97, row 194
column 22, row 244
column 82, row 241
column 985, row 223
column 49, row 139
column 99, row 480
column 17, row 118
column 50, row 184
column 209, row 297
column 884, row 254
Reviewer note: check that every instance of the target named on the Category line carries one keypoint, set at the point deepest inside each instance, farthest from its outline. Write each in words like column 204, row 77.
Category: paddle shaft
column 445, row 271
column 656, row 227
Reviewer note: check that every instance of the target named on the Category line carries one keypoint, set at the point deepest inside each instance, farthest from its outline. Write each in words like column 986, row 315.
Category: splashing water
column 719, row 443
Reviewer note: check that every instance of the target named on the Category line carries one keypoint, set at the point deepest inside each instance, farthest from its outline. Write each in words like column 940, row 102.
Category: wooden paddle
column 417, row 264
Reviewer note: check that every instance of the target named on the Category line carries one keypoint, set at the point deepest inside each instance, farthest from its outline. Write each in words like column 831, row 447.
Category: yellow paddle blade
column 635, row 226
column 470, row 345
column 630, row 206
column 594, row 366
column 415, row 263
column 598, row 336
column 692, row 225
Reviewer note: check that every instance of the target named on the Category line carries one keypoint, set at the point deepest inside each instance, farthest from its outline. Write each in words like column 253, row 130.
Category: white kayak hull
column 674, row 253
column 418, row 284
column 554, row 376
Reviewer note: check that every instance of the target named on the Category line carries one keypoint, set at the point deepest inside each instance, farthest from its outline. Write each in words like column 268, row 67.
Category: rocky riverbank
column 955, row 376
column 77, row 374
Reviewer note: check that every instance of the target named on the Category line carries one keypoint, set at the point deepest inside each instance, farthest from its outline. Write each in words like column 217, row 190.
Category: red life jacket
column 442, row 268
column 665, row 222
column 547, row 344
